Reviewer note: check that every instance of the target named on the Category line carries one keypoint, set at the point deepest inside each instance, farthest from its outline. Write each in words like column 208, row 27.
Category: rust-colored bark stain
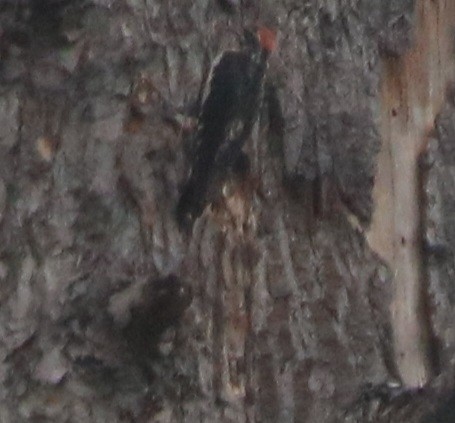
column 413, row 90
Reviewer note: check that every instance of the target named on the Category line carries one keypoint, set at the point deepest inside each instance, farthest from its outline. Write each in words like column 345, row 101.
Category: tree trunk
column 318, row 288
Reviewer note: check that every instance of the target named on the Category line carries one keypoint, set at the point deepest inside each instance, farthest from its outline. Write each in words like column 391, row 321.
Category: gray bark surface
column 274, row 308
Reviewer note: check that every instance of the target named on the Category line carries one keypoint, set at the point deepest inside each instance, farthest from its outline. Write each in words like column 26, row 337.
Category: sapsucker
column 227, row 117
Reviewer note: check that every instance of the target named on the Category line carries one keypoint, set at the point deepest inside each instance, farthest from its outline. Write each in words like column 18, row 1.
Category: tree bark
column 276, row 307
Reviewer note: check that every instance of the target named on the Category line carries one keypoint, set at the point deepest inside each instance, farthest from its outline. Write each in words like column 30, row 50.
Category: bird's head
column 267, row 39
column 262, row 38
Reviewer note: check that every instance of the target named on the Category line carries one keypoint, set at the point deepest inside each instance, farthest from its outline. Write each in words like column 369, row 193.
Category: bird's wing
column 223, row 91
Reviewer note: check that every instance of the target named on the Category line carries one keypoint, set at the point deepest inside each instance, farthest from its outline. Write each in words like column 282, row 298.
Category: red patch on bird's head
column 267, row 38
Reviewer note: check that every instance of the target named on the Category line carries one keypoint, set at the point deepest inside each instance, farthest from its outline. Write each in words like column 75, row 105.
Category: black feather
column 225, row 123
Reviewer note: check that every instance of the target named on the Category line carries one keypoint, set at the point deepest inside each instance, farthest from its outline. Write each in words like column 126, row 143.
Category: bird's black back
column 226, row 120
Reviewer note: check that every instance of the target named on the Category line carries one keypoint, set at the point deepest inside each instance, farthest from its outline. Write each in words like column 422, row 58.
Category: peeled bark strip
column 414, row 87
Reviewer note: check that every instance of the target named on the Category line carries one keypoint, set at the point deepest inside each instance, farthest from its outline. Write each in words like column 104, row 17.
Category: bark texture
column 437, row 169
column 274, row 308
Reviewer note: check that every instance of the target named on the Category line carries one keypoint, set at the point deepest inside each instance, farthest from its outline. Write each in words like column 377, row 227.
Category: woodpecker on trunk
column 228, row 114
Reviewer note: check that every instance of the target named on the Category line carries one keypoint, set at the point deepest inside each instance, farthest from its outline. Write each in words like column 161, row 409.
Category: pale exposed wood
column 413, row 91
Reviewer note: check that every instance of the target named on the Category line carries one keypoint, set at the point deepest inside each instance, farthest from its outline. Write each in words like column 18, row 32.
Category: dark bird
column 228, row 114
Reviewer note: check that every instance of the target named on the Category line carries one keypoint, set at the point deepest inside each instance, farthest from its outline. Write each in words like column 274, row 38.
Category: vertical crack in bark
column 218, row 317
column 433, row 349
